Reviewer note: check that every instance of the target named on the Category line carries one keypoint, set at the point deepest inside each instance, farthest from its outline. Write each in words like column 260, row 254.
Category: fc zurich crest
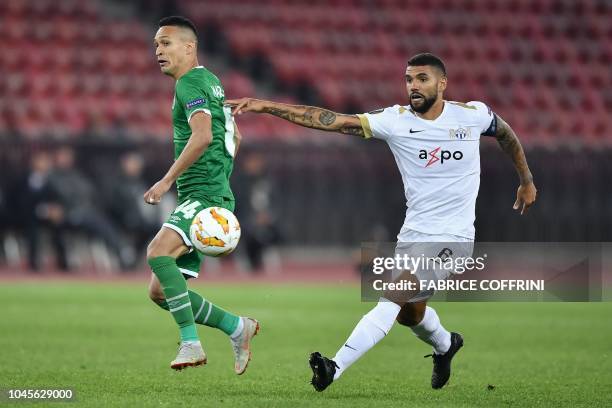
column 460, row 133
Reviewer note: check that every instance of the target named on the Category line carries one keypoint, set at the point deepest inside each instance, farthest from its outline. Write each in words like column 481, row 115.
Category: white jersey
column 439, row 161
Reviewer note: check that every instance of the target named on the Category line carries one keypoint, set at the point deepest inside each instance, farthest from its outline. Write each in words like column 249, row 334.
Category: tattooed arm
column 307, row 116
column 509, row 143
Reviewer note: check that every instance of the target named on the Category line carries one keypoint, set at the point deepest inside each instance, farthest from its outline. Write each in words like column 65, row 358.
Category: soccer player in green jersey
column 205, row 142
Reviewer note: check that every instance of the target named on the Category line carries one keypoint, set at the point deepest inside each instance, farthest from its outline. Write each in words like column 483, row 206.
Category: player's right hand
column 245, row 105
column 154, row 194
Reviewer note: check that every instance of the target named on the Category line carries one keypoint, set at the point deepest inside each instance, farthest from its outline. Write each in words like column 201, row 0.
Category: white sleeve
column 486, row 119
column 379, row 123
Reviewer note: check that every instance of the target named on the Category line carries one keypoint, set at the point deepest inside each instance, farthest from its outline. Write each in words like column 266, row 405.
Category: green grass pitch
column 113, row 346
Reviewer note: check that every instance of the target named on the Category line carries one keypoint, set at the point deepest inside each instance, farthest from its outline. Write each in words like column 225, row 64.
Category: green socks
column 210, row 315
column 189, row 333
column 177, row 298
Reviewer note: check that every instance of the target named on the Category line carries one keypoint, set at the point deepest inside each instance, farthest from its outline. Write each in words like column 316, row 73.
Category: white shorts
column 428, row 247
column 417, row 236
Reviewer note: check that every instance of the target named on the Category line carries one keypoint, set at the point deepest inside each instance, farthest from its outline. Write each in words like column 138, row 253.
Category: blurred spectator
column 3, row 208
column 5, row 220
column 124, row 193
column 255, row 210
column 40, row 209
column 79, row 199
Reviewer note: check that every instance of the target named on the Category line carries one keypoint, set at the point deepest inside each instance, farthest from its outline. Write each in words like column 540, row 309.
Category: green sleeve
column 192, row 97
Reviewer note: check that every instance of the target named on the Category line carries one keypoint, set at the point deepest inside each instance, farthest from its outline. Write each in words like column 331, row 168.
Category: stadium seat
column 518, row 55
column 348, row 60
column 66, row 64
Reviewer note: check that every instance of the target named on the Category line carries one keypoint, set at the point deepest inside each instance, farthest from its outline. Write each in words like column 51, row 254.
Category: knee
column 166, row 244
column 410, row 315
column 154, row 250
column 156, row 294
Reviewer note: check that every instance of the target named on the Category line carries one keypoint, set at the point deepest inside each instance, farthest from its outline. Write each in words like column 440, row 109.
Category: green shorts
column 180, row 221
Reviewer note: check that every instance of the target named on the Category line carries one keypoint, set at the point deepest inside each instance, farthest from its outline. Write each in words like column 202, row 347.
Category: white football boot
column 242, row 344
column 190, row 354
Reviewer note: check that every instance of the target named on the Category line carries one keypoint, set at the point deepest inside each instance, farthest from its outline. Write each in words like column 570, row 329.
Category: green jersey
column 200, row 90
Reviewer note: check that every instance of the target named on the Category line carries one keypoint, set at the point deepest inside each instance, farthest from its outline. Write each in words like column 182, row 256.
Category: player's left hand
column 525, row 197
column 154, row 194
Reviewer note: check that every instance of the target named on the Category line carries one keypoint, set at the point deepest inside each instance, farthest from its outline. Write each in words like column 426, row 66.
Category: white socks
column 370, row 330
column 238, row 330
column 376, row 324
column 431, row 332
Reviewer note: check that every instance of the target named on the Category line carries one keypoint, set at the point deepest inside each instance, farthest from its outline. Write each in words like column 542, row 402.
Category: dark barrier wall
column 345, row 194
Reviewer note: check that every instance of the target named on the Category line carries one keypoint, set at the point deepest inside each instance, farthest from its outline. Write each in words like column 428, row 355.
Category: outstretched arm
column 307, row 116
column 509, row 143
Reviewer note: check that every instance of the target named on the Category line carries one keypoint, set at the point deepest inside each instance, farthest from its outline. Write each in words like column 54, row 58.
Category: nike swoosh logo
column 416, row 131
column 352, row 348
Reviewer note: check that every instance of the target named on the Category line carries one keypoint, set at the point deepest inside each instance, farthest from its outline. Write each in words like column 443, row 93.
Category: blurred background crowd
column 85, row 121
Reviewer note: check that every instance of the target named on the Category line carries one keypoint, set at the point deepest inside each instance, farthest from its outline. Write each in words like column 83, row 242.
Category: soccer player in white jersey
column 436, row 146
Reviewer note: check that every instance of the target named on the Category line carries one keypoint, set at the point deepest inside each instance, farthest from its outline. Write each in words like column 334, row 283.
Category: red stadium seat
column 521, row 56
